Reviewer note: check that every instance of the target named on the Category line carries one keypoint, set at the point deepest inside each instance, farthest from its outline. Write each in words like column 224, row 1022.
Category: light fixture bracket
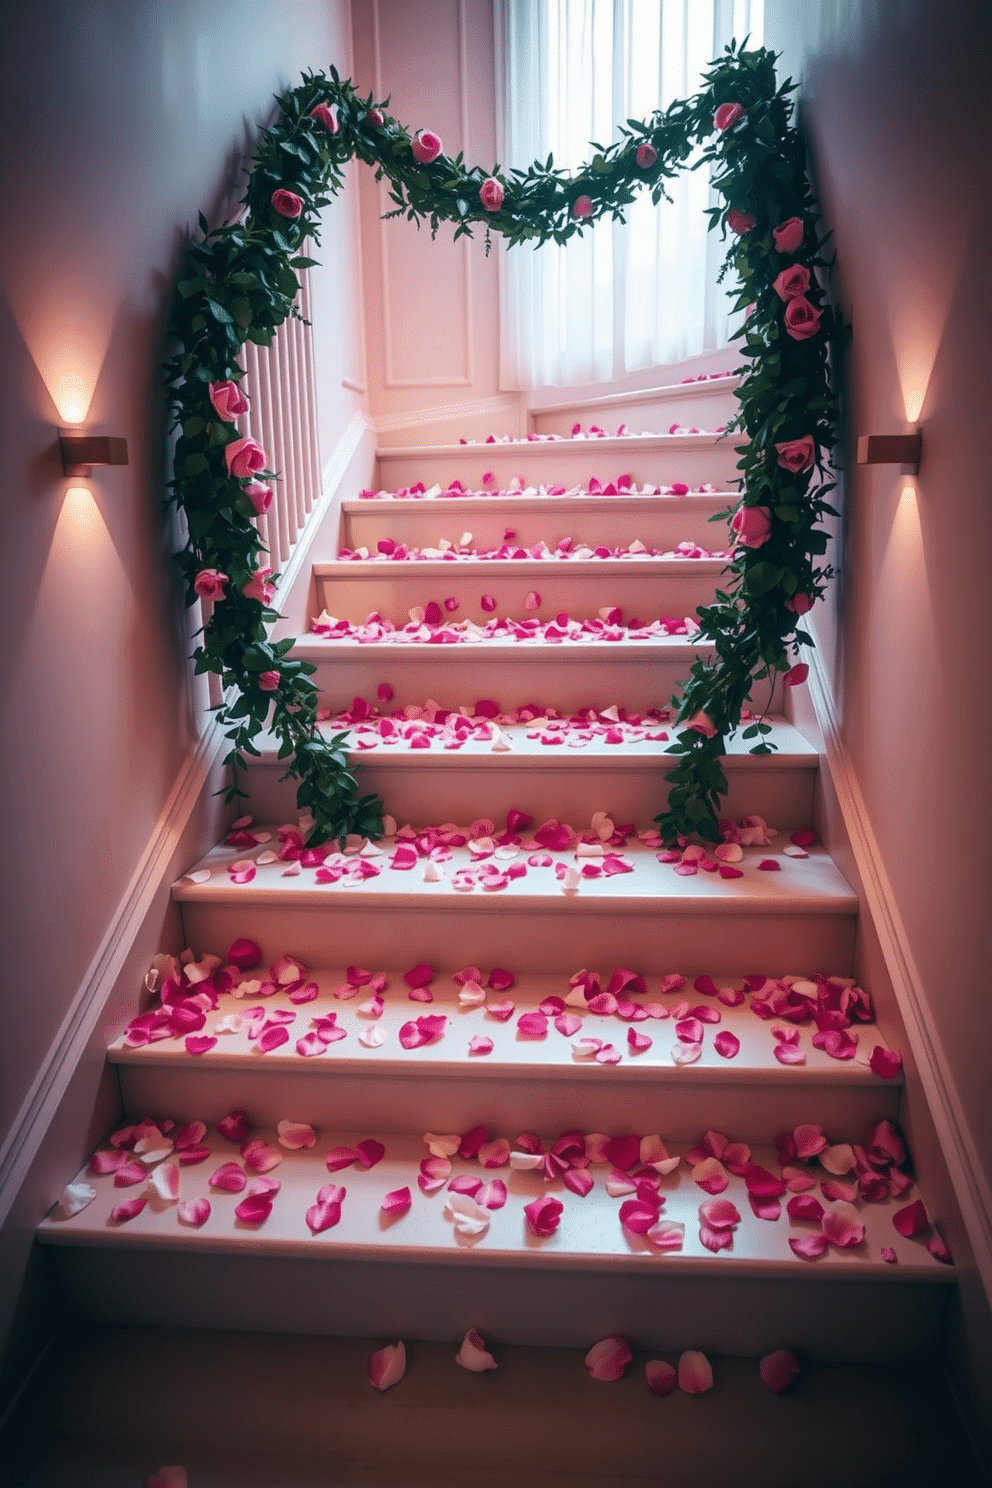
column 80, row 452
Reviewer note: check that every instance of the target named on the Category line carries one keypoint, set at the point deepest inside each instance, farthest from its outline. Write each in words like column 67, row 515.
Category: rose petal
column 667, row 1234
column 340, row 1157
column 778, row 1370
column 809, row 1247
column 165, row 1181
column 695, row 1374
column 711, row 1175
column 492, row 1195
column 886, row 1063
column 127, row 1210
column 726, row 1044
column 495, row 1154
column 396, row 1203
column 387, row 1366
column 479, row 1043
column 544, row 1214
column 228, row 1178
column 579, row 1180
column 841, row 1225
column 719, row 1214
column 369, row 1152
column 473, row 1354
column 468, row 1217
column 608, row 1359
column 194, row 1211
column 661, row 1377
column 255, row 1209
column 912, row 1220
column 686, row 1053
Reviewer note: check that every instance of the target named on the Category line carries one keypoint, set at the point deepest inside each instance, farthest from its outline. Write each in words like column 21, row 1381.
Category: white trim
column 507, row 405
column 69, row 1045
column 964, row 1162
column 662, row 391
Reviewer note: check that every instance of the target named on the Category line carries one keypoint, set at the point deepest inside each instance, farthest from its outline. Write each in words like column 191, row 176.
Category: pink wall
column 120, row 120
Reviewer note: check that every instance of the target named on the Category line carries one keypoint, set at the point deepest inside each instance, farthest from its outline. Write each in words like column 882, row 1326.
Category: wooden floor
column 244, row 1410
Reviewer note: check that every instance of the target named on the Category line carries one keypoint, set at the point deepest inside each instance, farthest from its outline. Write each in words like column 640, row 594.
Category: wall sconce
column 80, row 452
column 891, row 449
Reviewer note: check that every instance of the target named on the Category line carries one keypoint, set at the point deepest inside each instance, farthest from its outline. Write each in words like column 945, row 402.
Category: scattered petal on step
column 661, row 1377
column 726, row 1044
column 778, row 1370
column 127, row 1210
column 442, row 1145
column 912, row 1220
column 468, row 1217
column 608, row 1359
column 794, row 852
column 719, row 1214
column 396, row 1203
column 838, row 1159
column 683, row 1053
column 165, row 1181
column 259, row 1157
column 544, row 1215
column 695, row 1374
column 254, row 1210
column 387, row 1366
column 193, row 1212
column 73, row 1199
column 480, row 1043
column 809, row 1247
column 842, row 1226
column 370, row 1152
column 789, row 1053
column 372, row 1037
column 886, row 1063
column 579, row 1180
column 492, row 1195
column 805, row 1207
column 711, row 1175
column 495, row 1154
column 340, row 1157
column 532, row 1025
column 473, row 1354
column 667, row 1235
column 323, row 1215
column 228, row 1178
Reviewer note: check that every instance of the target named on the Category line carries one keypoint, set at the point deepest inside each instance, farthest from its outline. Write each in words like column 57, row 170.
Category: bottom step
column 245, row 1410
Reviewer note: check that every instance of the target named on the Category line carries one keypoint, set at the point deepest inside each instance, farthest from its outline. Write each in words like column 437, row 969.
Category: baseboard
column 960, row 1151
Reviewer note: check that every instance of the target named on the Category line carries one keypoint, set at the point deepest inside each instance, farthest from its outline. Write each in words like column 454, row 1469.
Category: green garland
column 240, row 283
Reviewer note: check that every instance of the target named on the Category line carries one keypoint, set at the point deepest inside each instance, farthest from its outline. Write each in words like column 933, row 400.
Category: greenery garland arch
column 240, row 282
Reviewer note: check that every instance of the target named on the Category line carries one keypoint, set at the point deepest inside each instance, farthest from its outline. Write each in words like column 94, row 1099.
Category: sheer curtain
column 621, row 297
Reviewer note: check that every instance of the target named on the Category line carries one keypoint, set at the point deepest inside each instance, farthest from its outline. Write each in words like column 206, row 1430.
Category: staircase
column 683, row 1037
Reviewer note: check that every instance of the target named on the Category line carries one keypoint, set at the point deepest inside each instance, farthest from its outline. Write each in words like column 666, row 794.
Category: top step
column 707, row 403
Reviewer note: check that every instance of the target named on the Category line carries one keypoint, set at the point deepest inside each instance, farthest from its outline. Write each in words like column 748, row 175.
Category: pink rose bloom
column 259, row 495
column 582, row 207
column 258, row 587
column 425, row 146
column 788, row 236
column 287, row 203
column 801, row 319
column 491, row 194
column 740, row 222
column 375, row 118
column 791, row 282
column 800, row 604
column 752, row 525
column 325, row 114
column 727, row 115
column 703, row 724
column 244, row 458
column 228, row 400
column 209, row 584
column 797, row 454
column 646, row 156
column 268, row 681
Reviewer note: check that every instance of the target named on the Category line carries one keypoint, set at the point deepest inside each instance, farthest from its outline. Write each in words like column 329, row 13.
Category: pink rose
column 259, row 495
column 425, row 146
column 797, row 454
column 752, row 525
column 269, row 681
column 209, row 584
column 325, row 114
column 582, row 207
column 727, row 115
column 792, row 282
column 702, row 723
column 740, row 222
column 258, row 587
column 801, row 320
column 800, row 604
column 228, row 400
column 375, row 118
column 646, row 156
column 287, row 203
column 244, row 457
column 788, row 236
column 491, row 194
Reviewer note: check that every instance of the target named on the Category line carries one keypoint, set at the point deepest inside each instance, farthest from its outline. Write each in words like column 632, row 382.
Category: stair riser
column 395, row 588
column 568, row 678
column 569, row 462
column 680, row 1109
column 483, row 929
column 659, row 521
column 459, row 788
column 698, row 406
column 861, row 1319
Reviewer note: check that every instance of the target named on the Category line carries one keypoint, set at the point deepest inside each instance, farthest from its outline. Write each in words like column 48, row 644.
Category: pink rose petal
column 255, row 1209
column 638, row 1042
column 396, row 1203
column 228, row 1178
column 608, row 1359
column 719, row 1214
column 544, row 1215
column 809, row 1247
column 369, row 1152
column 473, row 1354
column 340, row 1157
column 492, row 1195
column 193, row 1211
column 532, row 1025
column 912, row 1220
column 661, row 1377
column 234, row 1126
column 778, row 1370
column 127, row 1209
column 695, row 1374
column 387, row 1366
column 886, row 1063
column 711, row 1175
column 579, row 1180
column 726, row 1044
column 841, row 1225
column 495, row 1154
column 479, row 1043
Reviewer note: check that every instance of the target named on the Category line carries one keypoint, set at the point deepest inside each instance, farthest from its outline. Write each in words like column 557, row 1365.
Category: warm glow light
column 80, row 516
column 915, row 366
column 71, row 395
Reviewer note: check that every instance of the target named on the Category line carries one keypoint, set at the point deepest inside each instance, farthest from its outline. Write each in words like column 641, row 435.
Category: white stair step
column 567, row 677
column 524, row 1084
column 660, row 459
column 658, row 521
column 412, row 1278
column 644, row 588
column 625, row 780
column 803, row 915
column 708, row 404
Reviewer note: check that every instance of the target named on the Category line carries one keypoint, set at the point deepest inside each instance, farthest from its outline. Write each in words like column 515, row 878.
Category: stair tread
column 803, row 886
column 435, row 568
column 607, row 443
column 713, row 385
column 498, row 648
column 590, row 1236
column 548, row 1058
column 791, row 750
column 519, row 501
